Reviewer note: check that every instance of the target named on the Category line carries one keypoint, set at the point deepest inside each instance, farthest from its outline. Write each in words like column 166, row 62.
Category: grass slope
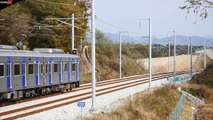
column 154, row 105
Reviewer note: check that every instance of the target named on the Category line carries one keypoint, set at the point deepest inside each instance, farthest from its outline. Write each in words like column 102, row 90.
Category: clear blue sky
column 166, row 16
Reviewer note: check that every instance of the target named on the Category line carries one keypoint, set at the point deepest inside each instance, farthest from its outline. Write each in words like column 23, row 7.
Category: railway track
column 33, row 106
column 83, row 86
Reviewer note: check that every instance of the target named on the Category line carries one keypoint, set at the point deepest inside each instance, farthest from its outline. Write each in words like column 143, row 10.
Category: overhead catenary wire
column 115, row 26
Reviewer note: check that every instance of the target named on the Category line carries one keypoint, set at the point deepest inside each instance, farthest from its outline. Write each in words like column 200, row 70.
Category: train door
column 69, row 70
column 45, row 72
column 8, row 77
column 16, row 75
column 66, row 70
column 73, row 70
column 41, row 74
column 60, row 70
column 3, row 85
column 77, row 69
column 31, row 74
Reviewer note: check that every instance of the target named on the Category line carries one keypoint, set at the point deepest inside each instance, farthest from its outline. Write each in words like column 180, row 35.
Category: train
column 25, row 74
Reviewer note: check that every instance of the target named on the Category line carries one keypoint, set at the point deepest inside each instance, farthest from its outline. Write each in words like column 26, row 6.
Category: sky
column 123, row 15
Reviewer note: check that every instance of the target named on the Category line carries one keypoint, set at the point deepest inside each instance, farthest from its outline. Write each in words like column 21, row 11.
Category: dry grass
column 205, row 112
column 186, row 113
column 149, row 105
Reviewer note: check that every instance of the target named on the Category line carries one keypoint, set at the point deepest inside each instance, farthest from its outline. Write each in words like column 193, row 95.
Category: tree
column 199, row 7
column 22, row 18
column 16, row 21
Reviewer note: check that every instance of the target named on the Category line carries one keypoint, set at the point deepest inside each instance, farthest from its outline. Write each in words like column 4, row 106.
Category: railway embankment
column 147, row 105
column 160, row 102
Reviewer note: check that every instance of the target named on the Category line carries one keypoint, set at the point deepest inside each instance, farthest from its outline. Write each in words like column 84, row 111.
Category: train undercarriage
column 34, row 92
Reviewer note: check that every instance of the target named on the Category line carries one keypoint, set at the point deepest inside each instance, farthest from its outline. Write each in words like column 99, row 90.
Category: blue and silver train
column 25, row 74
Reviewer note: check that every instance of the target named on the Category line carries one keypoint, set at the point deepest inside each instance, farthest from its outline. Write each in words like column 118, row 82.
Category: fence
column 175, row 115
column 195, row 101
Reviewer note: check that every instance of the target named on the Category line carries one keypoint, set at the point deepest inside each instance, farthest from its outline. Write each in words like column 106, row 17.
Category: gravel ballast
column 104, row 103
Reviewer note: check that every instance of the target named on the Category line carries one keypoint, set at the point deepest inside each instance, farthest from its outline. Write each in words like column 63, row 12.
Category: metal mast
column 73, row 31
column 174, row 55
column 150, row 54
column 93, row 57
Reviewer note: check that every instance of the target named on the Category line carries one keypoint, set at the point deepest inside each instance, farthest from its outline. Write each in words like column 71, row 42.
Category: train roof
column 26, row 53
column 49, row 50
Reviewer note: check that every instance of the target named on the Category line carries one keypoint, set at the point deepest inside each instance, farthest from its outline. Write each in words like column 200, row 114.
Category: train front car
column 19, row 73
column 25, row 74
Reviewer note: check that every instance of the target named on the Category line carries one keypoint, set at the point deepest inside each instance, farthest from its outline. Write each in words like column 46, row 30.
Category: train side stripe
column 37, row 72
column 50, row 71
column 9, row 82
column 24, row 82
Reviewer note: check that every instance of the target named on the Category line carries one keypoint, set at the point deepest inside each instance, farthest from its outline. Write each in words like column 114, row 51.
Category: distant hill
column 181, row 39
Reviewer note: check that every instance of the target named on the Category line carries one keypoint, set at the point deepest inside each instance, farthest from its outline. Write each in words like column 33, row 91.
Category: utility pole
column 168, row 56
column 174, row 38
column 150, row 54
column 191, row 57
column 120, row 50
column 188, row 55
column 150, row 50
column 204, row 46
column 120, row 53
column 93, row 57
column 73, row 31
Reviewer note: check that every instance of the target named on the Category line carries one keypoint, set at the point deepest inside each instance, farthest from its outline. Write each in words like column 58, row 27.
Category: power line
column 115, row 26
column 107, row 23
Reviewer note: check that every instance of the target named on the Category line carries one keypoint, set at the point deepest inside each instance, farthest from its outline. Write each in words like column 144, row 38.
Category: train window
column 23, row 68
column 16, row 69
column 30, row 71
column 8, row 69
column 41, row 67
column 65, row 67
column 1, row 70
column 73, row 67
column 46, row 68
column 55, row 67
column 50, row 67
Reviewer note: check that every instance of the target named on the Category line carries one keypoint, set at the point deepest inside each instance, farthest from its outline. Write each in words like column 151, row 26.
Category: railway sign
column 81, row 104
column 177, row 78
